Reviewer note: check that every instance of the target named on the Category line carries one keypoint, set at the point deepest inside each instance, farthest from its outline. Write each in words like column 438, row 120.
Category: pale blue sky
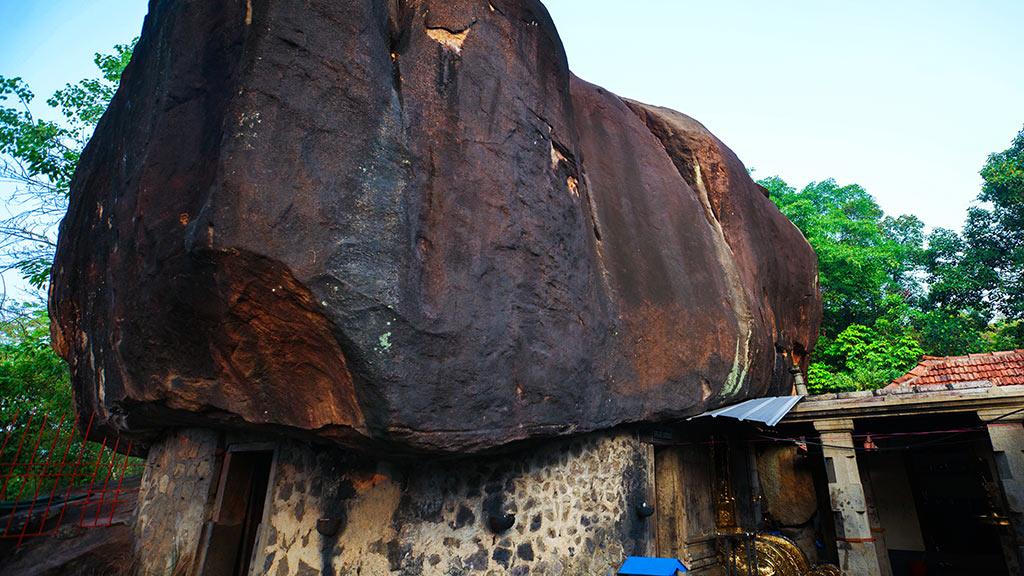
column 906, row 97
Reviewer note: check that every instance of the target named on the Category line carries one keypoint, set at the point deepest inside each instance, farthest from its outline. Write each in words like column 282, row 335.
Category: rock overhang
column 407, row 225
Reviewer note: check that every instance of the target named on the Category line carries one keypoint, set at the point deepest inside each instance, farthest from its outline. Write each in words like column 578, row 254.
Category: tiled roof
column 998, row 368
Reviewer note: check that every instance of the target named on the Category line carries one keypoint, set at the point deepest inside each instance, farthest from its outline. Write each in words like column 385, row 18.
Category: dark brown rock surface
column 406, row 223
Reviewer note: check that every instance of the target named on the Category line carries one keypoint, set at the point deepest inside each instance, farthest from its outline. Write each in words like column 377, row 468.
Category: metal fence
column 53, row 479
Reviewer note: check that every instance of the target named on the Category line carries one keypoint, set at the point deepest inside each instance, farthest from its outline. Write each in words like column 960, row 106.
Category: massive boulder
column 405, row 225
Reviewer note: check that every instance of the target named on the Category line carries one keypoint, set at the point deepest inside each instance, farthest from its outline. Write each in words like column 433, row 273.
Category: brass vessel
column 772, row 555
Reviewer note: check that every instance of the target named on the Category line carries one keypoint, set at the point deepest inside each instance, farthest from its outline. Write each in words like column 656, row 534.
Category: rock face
column 405, row 224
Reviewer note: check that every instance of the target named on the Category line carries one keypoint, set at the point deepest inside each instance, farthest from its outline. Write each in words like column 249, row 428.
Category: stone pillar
column 854, row 540
column 881, row 549
column 1007, row 436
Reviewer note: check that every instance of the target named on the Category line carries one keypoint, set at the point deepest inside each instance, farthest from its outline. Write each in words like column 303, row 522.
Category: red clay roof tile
column 999, row 368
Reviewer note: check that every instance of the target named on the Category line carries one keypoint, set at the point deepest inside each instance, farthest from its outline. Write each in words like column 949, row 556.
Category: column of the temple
column 1006, row 432
column 854, row 540
column 881, row 549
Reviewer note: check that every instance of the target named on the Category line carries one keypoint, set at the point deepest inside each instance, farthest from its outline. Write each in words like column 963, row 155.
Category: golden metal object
column 826, row 570
column 726, row 517
column 725, row 514
column 993, row 518
column 772, row 556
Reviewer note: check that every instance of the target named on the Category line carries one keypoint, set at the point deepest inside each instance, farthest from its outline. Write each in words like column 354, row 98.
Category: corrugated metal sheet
column 765, row 410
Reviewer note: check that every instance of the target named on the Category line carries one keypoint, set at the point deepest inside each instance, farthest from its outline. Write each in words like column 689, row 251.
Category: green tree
column 38, row 159
column 892, row 293
column 33, row 379
column 868, row 265
column 867, row 356
column 957, row 279
column 864, row 257
column 975, row 299
column 956, row 313
column 1004, row 335
column 35, row 409
column 994, row 232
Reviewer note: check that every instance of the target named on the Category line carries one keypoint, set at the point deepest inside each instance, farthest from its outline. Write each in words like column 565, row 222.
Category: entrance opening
column 238, row 514
column 937, row 500
column 954, row 511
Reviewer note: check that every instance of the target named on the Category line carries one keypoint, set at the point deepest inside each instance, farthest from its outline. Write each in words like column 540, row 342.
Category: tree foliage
column 892, row 293
column 864, row 257
column 38, row 158
column 994, row 232
column 35, row 409
column 33, row 379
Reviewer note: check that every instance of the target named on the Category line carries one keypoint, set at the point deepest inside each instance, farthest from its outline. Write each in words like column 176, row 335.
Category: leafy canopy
column 38, row 159
column 864, row 257
column 994, row 232
column 892, row 293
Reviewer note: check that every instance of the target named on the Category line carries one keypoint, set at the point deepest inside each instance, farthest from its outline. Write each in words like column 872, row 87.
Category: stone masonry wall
column 575, row 506
column 174, row 501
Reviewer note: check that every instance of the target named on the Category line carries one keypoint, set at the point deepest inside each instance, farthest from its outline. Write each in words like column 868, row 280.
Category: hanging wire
column 947, row 435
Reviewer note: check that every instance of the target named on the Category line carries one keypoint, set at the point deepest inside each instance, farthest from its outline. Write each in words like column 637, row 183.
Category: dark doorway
column 936, row 500
column 954, row 508
column 245, row 478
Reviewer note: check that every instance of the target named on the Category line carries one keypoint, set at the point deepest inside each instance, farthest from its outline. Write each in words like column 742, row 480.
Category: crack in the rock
column 450, row 39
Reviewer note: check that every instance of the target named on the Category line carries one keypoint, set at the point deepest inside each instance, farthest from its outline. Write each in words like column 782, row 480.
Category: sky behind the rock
column 906, row 97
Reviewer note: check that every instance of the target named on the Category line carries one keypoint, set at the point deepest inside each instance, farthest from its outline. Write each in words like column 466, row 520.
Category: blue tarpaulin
column 640, row 566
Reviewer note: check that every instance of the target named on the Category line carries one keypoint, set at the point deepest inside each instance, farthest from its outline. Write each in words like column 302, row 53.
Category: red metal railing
column 51, row 478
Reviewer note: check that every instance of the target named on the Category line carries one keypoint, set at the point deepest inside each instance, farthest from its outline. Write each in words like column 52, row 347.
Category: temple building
column 925, row 476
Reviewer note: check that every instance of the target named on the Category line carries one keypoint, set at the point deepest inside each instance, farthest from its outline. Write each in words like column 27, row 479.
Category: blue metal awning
column 764, row 410
column 640, row 566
